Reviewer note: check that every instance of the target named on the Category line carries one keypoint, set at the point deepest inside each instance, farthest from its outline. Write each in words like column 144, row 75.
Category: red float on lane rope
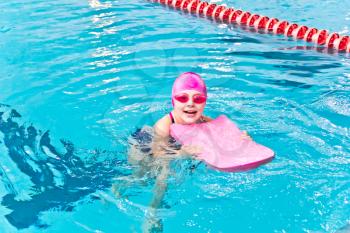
column 223, row 14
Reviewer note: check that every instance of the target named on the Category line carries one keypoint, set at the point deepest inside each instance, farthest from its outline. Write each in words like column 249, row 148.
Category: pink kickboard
column 222, row 145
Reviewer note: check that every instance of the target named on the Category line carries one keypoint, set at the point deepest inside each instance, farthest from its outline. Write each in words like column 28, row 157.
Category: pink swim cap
column 188, row 81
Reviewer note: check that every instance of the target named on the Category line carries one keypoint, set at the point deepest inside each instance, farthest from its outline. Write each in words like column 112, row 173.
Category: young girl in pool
column 189, row 96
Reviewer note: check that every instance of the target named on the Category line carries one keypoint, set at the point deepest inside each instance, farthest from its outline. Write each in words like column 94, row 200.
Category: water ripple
column 96, row 71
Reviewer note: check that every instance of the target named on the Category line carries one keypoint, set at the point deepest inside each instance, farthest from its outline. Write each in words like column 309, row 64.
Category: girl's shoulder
column 162, row 126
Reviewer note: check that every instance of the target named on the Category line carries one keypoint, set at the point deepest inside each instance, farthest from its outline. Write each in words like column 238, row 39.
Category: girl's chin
column 190, row 120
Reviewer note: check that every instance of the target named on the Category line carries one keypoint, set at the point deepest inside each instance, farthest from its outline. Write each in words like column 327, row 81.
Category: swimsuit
column 172, row 118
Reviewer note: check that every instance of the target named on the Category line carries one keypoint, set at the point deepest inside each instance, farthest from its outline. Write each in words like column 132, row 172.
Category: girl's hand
column 191, row 150
column 245, row 135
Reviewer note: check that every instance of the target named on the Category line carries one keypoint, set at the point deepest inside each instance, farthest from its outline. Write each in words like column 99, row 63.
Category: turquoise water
column 78, row 77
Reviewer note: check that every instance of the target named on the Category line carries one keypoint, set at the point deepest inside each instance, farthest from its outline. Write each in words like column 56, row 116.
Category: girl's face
column 189, row 106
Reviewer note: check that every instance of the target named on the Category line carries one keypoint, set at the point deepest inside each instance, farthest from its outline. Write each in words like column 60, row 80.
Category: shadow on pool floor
column 78, row 177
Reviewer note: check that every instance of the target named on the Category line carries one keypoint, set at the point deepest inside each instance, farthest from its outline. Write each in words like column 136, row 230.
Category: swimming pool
column 78, row 77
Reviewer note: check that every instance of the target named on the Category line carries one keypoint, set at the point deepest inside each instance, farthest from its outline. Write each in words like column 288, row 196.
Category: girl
column 189, row 96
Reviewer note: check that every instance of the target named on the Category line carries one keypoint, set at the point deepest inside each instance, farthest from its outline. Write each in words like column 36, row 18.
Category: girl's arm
column 160, row 144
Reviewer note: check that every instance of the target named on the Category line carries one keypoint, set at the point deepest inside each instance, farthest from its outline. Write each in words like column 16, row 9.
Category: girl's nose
column 190, row 102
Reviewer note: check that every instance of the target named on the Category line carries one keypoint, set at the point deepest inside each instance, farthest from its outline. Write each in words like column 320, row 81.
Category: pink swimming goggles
column 184, row 98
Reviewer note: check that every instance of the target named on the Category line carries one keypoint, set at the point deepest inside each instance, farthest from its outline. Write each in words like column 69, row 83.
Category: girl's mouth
column 190, row 112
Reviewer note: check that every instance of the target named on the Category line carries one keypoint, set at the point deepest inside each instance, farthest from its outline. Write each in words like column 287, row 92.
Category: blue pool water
column 77, row 78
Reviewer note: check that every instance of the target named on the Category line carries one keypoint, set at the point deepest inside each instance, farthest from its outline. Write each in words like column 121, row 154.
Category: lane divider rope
column 223, row 14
